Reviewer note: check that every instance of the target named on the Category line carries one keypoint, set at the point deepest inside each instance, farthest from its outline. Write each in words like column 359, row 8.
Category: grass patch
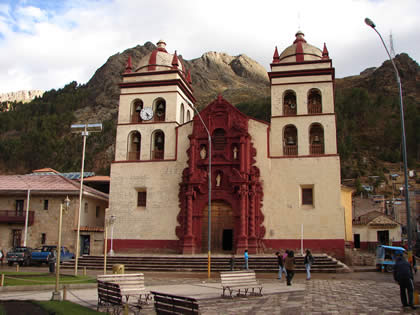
column 2, row 311
column 66, row 308
column 28, row 278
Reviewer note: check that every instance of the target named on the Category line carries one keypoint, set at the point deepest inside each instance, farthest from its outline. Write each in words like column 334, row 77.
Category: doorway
column 227, row 242
column 222, row 236
column 383, row 237
column 356, row 240
column 84, row 244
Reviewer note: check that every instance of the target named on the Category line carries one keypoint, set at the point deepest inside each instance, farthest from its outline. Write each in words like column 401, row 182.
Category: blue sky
column 45, row 44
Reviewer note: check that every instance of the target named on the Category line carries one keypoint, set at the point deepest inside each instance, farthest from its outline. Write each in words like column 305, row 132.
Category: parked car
column 40, row 255
column 20, row 255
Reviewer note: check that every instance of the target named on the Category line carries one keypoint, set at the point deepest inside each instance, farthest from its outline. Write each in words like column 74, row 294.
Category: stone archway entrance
column 222, row 227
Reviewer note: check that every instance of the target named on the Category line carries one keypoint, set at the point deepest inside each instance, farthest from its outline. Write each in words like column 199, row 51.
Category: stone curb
column 48, row 287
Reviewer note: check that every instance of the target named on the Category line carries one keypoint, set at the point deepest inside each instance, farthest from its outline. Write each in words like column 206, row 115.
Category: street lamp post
column 209, row 184
column 105, row 239
column 56, row 295
column 370, row 23
column 111, row 222
column 84, row 130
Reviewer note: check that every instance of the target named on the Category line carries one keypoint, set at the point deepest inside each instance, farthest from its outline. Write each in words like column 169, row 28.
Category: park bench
column 174, row 304
column 240, row 281
column 131, row 285
column 109, row 296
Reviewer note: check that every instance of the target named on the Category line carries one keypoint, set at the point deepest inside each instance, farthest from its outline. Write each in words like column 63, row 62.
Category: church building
column 273, row 185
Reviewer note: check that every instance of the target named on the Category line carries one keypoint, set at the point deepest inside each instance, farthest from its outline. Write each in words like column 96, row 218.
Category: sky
column 45, row 44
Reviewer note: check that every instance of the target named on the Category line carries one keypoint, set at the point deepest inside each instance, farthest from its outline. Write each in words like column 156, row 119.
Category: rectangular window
column 141, row 199
column 97, row 211
column 19, row 207
column 86, row 207
column 16, row 238
column 307, row 196
column 43, row 238
column 45, row 204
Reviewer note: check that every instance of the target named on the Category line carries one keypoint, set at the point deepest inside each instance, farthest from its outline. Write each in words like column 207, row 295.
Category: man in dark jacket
column 404, row 276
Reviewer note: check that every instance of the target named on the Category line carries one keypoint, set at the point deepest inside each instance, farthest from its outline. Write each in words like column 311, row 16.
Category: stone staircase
column 323, row 263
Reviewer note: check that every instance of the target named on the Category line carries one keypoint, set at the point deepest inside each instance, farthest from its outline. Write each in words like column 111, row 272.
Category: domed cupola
column 160, row 60
column 300, row 51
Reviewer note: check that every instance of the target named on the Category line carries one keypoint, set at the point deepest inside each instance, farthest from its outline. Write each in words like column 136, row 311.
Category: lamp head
column 67, row 202
column 370, row 23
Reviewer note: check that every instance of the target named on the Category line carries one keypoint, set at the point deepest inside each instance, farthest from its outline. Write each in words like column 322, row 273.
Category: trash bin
column 51, row 266
column 118, row 268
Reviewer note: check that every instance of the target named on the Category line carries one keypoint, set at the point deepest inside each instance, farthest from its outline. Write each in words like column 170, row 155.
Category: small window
column 43, row 238
column 45, row 204
column 307, row 196
column 141, row 199
column 97, row 211
column 86, row 207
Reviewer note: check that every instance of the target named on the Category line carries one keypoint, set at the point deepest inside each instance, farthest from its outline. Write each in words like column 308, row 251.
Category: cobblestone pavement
column 352, row 293
column 320, row 297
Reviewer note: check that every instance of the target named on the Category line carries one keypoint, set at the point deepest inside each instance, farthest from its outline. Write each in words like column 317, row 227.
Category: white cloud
column 46, row 48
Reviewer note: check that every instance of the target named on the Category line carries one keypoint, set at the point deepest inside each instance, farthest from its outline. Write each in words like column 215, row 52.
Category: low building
column 374, row 228
column 40, row 196
column 347, row 203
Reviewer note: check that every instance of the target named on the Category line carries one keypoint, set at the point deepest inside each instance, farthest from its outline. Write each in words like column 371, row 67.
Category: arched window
column 160, row 109
column 181, row 114
column 134, row 145
column 290, row 145
column 136, row 108
column 219, row 139
column 158, row 145
column 188, row 115
column 289, row 103
column 314, row 101
column 316, row 139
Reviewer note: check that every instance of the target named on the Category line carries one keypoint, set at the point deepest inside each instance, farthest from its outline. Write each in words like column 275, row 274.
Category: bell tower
column 302, row 106
column 155, row 98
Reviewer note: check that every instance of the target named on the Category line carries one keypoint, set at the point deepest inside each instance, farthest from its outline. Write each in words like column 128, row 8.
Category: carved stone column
column 242, row 243
column 188, row 246
column 252, row 239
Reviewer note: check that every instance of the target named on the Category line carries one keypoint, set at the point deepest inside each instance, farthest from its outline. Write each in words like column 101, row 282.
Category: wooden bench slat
column 238, row 281
column 174, row 304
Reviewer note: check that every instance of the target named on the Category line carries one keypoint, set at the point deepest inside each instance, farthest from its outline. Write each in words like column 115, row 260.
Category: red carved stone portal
column 235, row 180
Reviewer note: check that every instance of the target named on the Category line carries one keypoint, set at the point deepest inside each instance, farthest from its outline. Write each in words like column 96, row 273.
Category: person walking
column 1, row 256
column 246, row 256
column 232, row 262
column 308, row 261
column 289, row 264
column 404, row 276
column 280, row 263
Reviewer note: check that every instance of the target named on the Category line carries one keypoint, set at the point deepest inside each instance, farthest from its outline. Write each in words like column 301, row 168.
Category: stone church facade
column 273, row 185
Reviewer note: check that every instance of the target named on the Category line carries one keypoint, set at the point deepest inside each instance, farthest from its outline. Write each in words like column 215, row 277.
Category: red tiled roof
column 44, row 170
column 370, row 216
column 47, row 183
column 91, row 229
column 97, row 179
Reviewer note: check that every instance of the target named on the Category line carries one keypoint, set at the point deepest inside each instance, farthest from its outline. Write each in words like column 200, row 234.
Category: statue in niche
column 218, row 179
column 203, row 152
column 235, row 152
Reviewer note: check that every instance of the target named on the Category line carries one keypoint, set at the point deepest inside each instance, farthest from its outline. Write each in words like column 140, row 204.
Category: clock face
column 146, row 113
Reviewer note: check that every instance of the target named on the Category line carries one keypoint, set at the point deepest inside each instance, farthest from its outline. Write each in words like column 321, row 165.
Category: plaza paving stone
column 356, row 293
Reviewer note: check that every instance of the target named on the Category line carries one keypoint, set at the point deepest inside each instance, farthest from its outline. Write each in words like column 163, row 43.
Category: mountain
column 20, row 96
column 37, row 134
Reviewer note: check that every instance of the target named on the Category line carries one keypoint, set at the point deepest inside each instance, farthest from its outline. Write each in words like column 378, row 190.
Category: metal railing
column 17, row 217
column 314, row 108
column 133, row 155
column 157, row 155
column 290, row 150
column 316, row 149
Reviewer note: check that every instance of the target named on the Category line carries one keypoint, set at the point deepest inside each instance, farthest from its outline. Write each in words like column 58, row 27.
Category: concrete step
column 323, row 263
